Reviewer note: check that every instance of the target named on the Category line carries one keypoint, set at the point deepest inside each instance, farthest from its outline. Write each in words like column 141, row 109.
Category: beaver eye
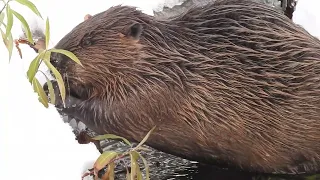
column 86, row 42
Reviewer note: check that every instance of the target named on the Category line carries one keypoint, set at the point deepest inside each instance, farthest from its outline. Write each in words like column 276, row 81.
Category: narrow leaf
column 110, row 173
column 110, row 136
column 42, row 95
column 134, row 165
column 135, row 156
column 31, row 6
column 50, row 88
column 139, row 174
column 8, row 43
column 51, row 92
column 104, row 160
column 58, row 78
column 24, row 24
column 34, row 66
column 9, row 21
column 10, row 46
column 145, row 138
column 47, row 33
column 67, row 53
column 146, row 166
column 1, row 17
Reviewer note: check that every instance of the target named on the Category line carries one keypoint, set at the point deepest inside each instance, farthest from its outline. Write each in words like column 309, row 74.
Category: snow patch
column 167, row 3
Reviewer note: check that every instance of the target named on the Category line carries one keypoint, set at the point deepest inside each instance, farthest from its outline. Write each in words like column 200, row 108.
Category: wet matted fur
column 235, row 82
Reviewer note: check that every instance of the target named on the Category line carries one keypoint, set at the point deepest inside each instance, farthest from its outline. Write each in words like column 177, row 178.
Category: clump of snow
column 167, row 3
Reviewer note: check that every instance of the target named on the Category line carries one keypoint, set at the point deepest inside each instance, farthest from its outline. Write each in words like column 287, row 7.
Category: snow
column 35, row 143
column 167, row 3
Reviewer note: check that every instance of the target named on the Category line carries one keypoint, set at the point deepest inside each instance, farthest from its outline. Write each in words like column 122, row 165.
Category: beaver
column 234, row 82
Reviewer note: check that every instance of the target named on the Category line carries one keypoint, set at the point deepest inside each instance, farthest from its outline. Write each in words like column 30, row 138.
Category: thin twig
column 4, row 6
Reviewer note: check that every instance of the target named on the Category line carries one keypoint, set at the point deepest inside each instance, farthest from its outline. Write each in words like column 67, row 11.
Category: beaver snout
column 56, row 59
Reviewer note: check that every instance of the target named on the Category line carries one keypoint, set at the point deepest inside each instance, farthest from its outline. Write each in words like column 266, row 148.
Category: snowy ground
column 35, row 144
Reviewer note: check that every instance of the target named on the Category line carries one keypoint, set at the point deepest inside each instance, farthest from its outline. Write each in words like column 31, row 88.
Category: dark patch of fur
column 234, row 81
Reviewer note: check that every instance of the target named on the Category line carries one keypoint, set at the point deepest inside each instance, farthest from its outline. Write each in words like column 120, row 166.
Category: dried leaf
column 145, row 138
column 30, row 5
column 128, row 175
column 109, row 175
column 143, row 148
column 111, row 136
column 104, row 160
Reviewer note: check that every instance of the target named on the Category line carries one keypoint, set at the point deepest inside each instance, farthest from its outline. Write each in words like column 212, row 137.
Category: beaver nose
column 55, row 59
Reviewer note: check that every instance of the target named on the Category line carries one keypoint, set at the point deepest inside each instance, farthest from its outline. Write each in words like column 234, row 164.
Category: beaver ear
column 134, row 31
column 86, row 17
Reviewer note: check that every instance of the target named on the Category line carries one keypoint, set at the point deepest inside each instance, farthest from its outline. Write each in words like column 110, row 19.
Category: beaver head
column 107, row 45
column 235, row 81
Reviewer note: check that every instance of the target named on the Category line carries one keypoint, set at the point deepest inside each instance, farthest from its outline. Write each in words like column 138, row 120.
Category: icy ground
column 35, row 144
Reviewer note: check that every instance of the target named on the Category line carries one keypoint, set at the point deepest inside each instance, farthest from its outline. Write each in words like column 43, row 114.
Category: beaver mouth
column 71, row 90
column 75, row 90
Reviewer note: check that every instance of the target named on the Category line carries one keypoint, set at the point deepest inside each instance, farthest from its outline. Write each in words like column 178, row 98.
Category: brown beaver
column 235, row 82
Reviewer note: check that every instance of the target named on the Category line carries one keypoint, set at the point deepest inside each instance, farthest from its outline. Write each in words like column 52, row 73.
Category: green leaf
column 111, row 136
column 8, row 43
column 10, row 46
column 58, row 78
column 133, row 166
column 25, row 25
column 67, row 53
column 1, row 17
column 104, row 160
column 47, row 32
column 51, row 92
column 30, row 5
column 42, row 95
column 135, row 170
column 139, row 174
column 9, row 21
column 50, row 88
column 34, row 66
column 145, row 165
column 145, row 138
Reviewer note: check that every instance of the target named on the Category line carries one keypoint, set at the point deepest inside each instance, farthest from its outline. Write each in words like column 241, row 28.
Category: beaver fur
column 234, row 82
